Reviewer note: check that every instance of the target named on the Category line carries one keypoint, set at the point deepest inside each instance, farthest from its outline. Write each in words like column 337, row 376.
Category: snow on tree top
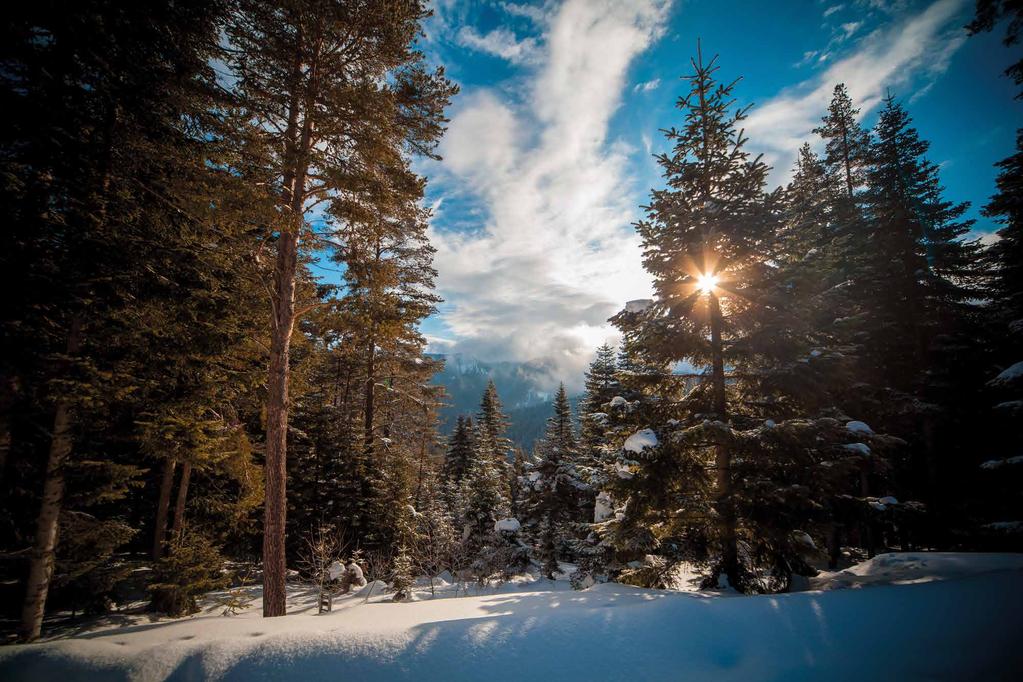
column 1009, row 374
column 997, row 463
column 859, row 427
column 638, row 305
column 861, row 448
column 641, row 440
column 509, row 525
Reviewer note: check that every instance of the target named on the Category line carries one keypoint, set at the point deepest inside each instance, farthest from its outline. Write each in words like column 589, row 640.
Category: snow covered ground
column 957, row 616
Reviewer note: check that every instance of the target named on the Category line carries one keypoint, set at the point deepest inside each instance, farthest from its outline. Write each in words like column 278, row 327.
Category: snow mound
column 901, row 568
column 858, row 448
column 961, row 629
column 859, row 427
column 1008, row 375
column 999, row 463
column 638, row 305
column 602, row 508
column 507, row 525
column 641, row 440
column 373, row 588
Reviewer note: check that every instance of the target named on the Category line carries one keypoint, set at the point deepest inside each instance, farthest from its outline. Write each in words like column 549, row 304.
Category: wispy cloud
column 500, row 42
column 556, row 255
column 831, row 10
column 911, row 49
column 647, row 86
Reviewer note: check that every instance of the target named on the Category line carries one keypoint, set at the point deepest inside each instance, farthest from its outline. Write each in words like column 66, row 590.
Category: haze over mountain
column 522, row 387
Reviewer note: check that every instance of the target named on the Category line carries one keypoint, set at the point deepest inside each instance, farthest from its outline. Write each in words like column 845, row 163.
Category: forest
column 828, row 371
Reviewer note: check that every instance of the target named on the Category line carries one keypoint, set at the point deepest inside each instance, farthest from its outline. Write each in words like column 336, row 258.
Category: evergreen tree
column 600, row 387
column 846, row 143
column 701, row 239
column 493, row 425
column 460, row 450
column 117, row 133
column 341, row 97
column 918, row 284
column 554, row 499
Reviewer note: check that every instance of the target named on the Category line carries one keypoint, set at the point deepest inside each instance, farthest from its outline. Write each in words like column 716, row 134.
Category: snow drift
column 965, row 627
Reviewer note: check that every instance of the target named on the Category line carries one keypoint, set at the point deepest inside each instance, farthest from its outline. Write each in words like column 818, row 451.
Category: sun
column 705, row 283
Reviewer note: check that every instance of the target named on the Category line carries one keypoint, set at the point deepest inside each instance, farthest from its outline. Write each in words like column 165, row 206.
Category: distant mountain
column 518, row 385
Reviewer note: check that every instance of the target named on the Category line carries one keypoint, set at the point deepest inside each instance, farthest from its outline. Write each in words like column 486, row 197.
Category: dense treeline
column 178, row 387
column 170, row 173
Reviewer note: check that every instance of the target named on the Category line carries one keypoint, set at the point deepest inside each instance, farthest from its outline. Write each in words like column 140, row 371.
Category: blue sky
column 548, row 156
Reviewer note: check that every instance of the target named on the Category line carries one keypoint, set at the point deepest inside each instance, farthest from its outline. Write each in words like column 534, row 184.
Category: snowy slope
column 965, row 627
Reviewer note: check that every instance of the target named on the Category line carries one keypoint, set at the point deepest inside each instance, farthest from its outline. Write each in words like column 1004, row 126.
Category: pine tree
column 114, row 134
column 341, row 95
column 600, row 387
column 846, row 143
column 481, row 500
column 554, row 500
column 493, row 425
column 918, row 285
column 700, row 243
column 460, row 450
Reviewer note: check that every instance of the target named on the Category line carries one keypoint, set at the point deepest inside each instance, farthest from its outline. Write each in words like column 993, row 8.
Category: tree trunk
column 162, row 507
column 722, row 456
column 43, row 553
column 275, row 506
column 298, row 140
column 179, row 503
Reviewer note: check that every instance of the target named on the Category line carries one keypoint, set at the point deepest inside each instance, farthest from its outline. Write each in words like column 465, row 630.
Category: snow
column 859, row 448
column 1008, row 375
column 638, row 305
column 963, row 623
column 1005, row 526
column 641, row 440
column 335, row 570
column 859, row 427
column 507, row 525
column 618, row 401
column 999, row 463
column 905, row 568
column 603, row 507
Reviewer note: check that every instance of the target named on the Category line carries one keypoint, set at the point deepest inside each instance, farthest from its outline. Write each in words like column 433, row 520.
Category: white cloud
column 500, row 42
column 647, row 86
column 831, row 10
column 918, row 45
column 848, row 29
column 556, row 255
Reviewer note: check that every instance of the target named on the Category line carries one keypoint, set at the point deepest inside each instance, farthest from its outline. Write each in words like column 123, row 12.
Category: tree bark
column 163, row 507
column 179, row 503
column 722, row 455
column 275, row 506
column 298, row 139
column 43, row 553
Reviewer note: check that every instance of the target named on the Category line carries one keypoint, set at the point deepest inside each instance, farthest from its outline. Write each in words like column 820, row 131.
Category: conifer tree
column 918, row 284
column 342, row 96
column 554, row 500
column 701, row 239
column 114, row 134
column 600, row 387
column 460, row 450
